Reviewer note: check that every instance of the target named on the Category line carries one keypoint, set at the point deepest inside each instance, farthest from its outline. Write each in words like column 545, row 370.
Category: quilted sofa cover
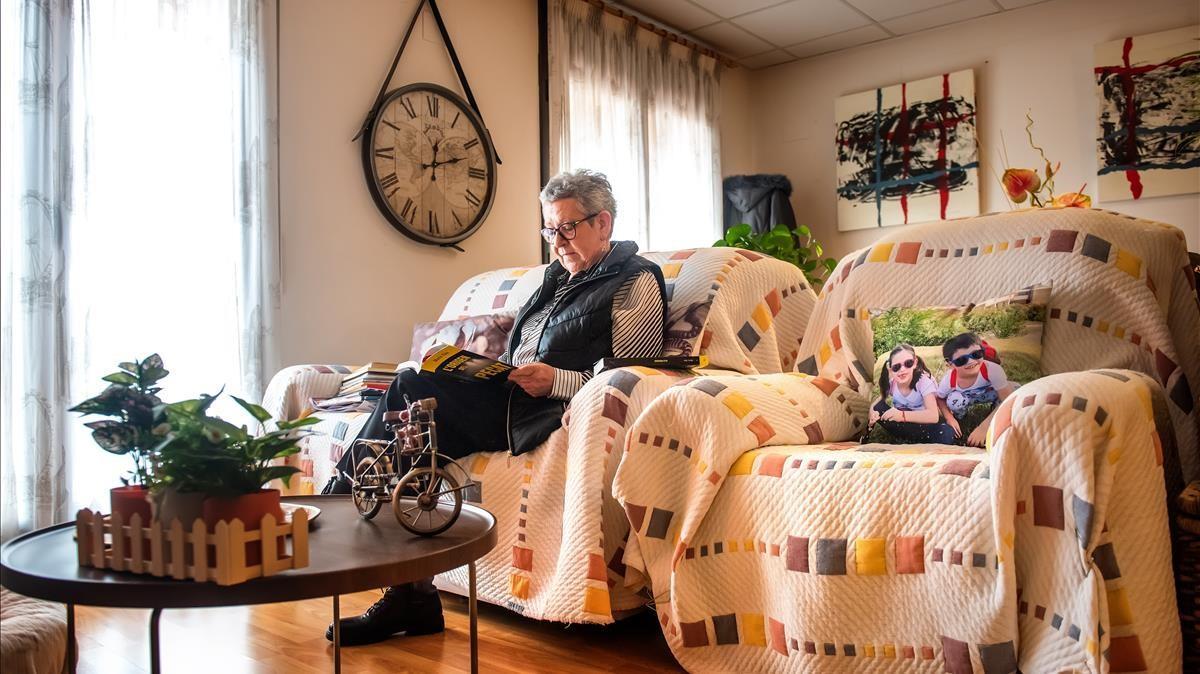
column 561, row 533
column 772, row 544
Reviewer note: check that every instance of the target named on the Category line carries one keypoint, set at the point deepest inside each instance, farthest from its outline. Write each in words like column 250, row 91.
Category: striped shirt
column 637, row 319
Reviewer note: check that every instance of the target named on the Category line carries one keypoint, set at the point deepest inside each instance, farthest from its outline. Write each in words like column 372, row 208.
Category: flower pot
column 171, row 504
column 129, row 501
column 250, row 509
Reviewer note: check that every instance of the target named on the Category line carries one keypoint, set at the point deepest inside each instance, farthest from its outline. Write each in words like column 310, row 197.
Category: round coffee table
column 346, row 554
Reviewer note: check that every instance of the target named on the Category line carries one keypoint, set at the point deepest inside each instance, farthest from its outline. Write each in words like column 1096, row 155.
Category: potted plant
column 135, row 429
column 226, row 464
column 795, row 246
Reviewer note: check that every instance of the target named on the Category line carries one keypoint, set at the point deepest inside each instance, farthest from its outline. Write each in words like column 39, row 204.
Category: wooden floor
column 290, row 637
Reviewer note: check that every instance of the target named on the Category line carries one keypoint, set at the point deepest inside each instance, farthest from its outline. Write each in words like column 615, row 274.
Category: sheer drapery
column 36, row 76
column 643, row 110
column 167, row 175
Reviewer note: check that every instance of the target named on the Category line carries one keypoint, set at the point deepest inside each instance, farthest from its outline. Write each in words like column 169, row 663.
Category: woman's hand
column 874, row 415
column 536, row 378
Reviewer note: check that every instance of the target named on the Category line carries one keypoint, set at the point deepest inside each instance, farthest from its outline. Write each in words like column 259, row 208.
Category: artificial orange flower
column 1020, row 183
column 1072, row 199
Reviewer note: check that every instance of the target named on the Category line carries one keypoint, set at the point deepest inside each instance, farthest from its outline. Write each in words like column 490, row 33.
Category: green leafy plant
column 207, row 454
column 132, row 400
column 795, row 246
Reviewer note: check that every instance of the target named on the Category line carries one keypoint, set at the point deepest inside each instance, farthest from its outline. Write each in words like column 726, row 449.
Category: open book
column 462, row 364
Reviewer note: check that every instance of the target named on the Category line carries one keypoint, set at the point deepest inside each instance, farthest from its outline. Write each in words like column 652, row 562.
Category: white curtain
column 643, row 110
column 164, row 235
column 36, row 76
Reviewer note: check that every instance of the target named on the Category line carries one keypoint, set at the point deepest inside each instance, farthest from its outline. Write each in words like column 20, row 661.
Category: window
column 642, row 113
column 137, row 210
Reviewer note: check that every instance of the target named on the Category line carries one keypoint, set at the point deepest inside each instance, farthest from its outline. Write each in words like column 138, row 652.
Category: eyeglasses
column 967, row 357
column 566, row 230
column 896, row 367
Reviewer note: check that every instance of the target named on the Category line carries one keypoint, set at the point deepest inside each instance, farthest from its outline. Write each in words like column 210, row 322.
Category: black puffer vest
column 578, row 332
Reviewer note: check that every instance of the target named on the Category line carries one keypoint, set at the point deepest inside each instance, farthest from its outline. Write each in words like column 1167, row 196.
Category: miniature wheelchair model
column 428, row 498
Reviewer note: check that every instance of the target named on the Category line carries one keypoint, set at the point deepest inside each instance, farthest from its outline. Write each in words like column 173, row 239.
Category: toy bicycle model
column 427, row 499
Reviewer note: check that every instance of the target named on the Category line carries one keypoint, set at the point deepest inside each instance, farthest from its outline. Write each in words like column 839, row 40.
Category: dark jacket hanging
column 760, row 201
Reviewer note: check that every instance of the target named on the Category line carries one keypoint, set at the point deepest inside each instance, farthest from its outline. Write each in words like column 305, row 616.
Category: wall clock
column 427, row 156
column 429, row 165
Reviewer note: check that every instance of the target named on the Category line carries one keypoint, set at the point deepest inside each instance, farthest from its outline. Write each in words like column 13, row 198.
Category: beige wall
column 352, row 285
column 1037, row 58
column 736, row 115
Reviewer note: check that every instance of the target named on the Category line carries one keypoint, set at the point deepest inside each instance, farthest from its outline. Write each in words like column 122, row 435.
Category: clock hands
column 437, row 163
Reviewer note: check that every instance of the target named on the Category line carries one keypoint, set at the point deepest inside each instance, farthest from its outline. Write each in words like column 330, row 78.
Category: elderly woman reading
column 599, row 299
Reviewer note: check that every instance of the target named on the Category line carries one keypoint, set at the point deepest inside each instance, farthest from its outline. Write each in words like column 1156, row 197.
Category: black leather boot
column 412, row 608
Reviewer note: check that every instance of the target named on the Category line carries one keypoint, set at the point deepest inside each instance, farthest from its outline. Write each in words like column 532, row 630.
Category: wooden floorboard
column 290, row 637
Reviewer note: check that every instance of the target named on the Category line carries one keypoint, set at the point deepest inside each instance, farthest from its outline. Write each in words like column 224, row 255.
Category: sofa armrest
column 291, row 388
column 1078, row 463
column 688, row 440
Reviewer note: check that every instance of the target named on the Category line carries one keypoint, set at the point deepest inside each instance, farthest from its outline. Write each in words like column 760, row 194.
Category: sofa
column 771, row 540
column 562, row 535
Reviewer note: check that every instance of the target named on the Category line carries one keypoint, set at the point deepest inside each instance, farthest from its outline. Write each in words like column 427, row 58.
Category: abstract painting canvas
column 908, row 153
column 1149, row 134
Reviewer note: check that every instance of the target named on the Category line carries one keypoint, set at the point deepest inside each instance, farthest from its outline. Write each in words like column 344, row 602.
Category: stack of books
column 370, row 380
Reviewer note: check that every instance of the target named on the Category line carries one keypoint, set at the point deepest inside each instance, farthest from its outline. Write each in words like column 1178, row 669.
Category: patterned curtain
column 253, row 27
column 36, row 221
column 643, row 110
column 139, row 216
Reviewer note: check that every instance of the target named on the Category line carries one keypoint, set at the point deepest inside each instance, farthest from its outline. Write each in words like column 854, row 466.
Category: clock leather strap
column 462, row 76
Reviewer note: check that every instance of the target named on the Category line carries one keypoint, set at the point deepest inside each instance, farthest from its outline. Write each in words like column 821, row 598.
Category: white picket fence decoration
column 163, row 551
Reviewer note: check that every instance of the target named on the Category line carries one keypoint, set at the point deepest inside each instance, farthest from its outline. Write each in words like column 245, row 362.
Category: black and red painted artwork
column 908, row 153
column 1148, row 140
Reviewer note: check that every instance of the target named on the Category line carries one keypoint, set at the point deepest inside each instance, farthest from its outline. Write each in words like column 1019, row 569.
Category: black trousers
column 907, row 431
column 471, row 416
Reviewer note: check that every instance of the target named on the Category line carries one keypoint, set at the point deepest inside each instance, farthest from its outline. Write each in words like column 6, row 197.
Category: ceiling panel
column 763, row 33
column 681, row 14
column 732, row 40
column 730, row 8
column 850, row 38
column 771, row 58
column 801, row 20
column 940, row 16
column 881, row 10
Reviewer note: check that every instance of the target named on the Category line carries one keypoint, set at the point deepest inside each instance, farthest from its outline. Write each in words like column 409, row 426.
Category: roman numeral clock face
column 429, row 165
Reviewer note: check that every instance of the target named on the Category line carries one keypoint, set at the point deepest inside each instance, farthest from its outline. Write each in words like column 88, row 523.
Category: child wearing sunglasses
column 972, row 389
column 914, row 415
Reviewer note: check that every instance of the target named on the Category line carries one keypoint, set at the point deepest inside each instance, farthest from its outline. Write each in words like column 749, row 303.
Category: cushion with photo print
column 964, row 360
column 484, row 335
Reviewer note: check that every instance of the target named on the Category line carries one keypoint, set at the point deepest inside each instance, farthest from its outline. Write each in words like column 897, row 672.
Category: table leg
column 72, row 647
column 337, row 635
column 155, row 668
column 474, row 622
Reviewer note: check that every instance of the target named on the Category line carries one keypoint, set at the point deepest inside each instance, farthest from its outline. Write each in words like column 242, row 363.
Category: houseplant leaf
column 260, row 414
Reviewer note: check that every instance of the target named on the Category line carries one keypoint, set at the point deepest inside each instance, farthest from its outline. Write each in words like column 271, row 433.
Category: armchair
column 772, row 541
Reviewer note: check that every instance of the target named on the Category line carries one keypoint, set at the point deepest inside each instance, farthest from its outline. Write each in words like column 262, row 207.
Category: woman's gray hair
column 590, row 188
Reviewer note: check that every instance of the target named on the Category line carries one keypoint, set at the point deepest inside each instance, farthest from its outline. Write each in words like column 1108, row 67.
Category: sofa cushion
column 745, row 311
column 484, row 335
column 33, row 634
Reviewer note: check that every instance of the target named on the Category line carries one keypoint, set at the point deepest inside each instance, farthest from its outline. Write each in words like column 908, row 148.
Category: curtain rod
column 661, row 32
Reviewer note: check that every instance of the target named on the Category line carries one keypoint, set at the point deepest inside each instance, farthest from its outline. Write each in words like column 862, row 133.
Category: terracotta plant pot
column 250, row 509
column 130, row 500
